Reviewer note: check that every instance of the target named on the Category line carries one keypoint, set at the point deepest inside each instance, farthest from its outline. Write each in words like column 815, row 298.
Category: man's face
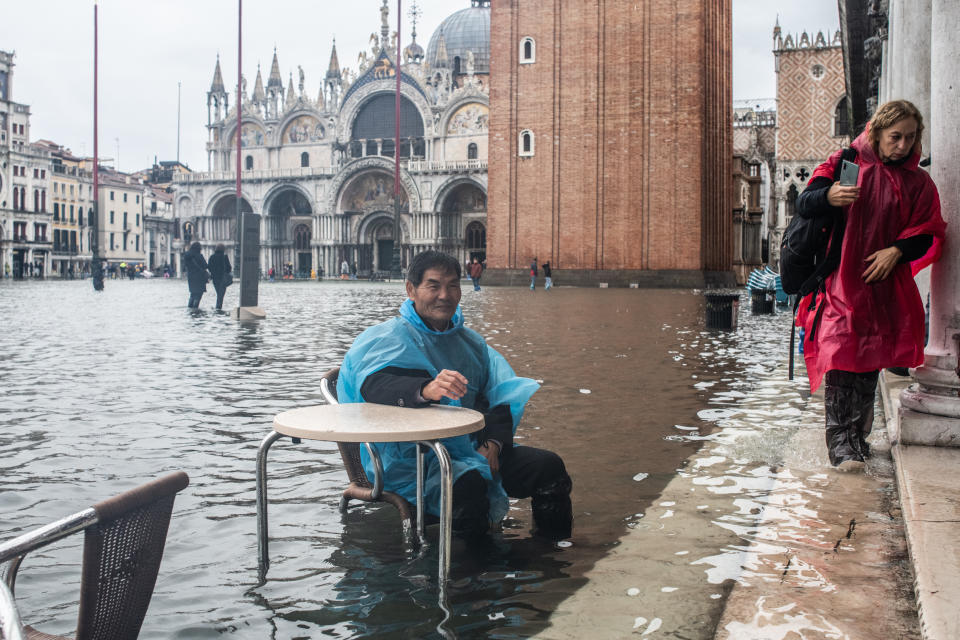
column 436, row 297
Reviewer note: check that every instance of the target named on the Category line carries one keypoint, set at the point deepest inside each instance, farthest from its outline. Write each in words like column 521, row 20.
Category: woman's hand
column 880, row 264
column 841, row 196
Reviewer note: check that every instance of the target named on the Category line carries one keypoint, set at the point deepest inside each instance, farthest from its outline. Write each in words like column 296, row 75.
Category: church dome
column 466, row 30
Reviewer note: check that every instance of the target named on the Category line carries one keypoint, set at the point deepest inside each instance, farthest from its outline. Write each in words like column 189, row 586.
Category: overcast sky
column 148, row 46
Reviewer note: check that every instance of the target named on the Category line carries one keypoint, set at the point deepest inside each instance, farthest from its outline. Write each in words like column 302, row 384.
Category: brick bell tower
column 611, row 141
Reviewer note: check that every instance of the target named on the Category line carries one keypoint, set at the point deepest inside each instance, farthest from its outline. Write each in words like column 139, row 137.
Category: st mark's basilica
column 320, row 170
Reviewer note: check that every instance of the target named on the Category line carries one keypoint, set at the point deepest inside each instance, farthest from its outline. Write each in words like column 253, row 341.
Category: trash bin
column 762, row 301
column 722, row 308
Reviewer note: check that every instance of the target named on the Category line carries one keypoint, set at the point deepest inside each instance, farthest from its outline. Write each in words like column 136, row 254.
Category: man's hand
column 491, row 451
column 880, row 264
column 840, row 196
column 447, row 384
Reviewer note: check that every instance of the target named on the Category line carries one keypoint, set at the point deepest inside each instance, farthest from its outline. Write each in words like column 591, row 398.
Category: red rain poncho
column 865, row 327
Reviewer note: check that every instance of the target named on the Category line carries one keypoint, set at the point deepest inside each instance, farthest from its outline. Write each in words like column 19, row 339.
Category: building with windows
column 159, row 229
column 25, row 216
column 319, row 166
column 812, row 116
column 611, row 129
column 121, row 218
column 754, row 164
column 71, row 192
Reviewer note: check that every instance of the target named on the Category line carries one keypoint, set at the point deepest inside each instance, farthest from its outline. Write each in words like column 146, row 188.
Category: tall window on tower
column 528, row 51
column 526, row 143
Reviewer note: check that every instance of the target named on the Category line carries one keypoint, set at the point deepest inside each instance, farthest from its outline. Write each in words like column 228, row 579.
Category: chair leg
column 262, row 532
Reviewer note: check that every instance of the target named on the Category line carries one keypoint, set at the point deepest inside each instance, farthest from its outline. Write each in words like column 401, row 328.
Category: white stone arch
column 445, row 189
column 362, row 165
column 454, row 106
column 350, row 109
column 277, row 134
column 372, row 220
column 280, row 187
column 222, row 192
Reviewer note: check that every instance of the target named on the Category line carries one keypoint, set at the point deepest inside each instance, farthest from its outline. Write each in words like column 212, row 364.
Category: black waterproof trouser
column 221, row 289
column 526, row 472
column 848, row 404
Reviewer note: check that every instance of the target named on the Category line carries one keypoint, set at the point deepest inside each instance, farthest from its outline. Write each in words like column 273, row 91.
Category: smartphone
column 848, row 174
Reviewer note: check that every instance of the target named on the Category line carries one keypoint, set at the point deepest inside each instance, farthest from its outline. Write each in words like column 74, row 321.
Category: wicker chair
column 360, row 488
column 123, row 544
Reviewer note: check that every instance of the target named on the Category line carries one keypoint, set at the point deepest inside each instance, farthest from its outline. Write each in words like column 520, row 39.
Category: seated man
column 426, row 355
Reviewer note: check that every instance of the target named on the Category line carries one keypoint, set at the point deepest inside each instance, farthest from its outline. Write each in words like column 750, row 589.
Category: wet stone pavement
column 704, row 503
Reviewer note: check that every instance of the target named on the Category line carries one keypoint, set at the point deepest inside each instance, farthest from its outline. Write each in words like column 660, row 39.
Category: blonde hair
column 889, row 114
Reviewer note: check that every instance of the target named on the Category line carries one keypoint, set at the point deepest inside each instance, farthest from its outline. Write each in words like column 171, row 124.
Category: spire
column 776, row 27
column 217, row 85
column 413, row 52
column 442, row 60
column 275, row 80
column 291, row 95
column 333, row 71
column 258, row 93
column 384, row 25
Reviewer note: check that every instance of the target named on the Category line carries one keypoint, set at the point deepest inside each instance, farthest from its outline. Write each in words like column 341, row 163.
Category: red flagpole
column 96, row 271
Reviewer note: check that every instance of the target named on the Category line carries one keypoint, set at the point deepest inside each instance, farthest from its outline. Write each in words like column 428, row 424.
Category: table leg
column 446, row 511
column 421, row 537
column 262, row 534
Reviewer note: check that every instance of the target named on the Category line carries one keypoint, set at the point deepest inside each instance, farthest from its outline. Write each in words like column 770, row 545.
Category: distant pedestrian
column 197, row 274
column 533, row 273
column 219, row 266
column 547, row 276
column 271, row 274
column 320, row 272
column 344, row 270
column 476, row 270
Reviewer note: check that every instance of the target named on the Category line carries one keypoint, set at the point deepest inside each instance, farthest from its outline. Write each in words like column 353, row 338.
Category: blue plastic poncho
column 407, row 342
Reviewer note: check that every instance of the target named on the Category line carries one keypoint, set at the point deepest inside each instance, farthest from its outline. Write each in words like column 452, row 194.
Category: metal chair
column 124, row 538
column 360, row 488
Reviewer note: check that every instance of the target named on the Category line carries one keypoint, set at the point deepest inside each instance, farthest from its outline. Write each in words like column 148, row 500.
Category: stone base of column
column 248, row 313
column 930, row 407
column 926, row 429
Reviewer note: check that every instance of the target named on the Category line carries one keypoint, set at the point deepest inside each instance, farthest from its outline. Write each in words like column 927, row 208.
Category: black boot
column 552, row 510
column 866, row 387
column 842, row 409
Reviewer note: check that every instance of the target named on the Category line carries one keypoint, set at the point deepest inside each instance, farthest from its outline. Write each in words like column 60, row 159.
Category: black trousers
column 526, row 472
column 221, row 290
column 848, row 409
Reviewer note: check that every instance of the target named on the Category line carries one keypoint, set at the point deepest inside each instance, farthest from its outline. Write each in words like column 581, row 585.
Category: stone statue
column 300, row 69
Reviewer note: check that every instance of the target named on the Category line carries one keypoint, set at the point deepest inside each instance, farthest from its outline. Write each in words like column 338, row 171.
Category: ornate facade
column 320, row 171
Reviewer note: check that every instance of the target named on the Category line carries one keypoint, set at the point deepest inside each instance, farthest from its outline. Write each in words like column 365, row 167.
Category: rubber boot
column 866, row 386
column 552, row 510
column 842, row 409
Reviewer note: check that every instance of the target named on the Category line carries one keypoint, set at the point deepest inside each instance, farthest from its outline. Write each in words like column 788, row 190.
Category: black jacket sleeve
column 401, row 387
column 813, row 203
column 914, row 247
column 395, row 386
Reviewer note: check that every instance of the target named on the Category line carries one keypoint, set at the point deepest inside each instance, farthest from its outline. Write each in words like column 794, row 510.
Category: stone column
column 930, row 412
column 908, row 67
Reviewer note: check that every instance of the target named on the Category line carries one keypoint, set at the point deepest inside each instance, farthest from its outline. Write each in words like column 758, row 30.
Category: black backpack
column 806, row 261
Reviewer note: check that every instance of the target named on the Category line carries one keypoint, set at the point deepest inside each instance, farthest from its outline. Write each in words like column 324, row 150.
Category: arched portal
column 463, row 199
column 287, row 231
column 476, row 241
column 221, row 226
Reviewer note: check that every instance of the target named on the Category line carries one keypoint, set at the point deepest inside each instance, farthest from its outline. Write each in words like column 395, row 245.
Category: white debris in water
column 585, row 391
column 539, row 381
column 633, row 591
column 715, row 596
column 639, row 622
column 681, row 553
column 563, row 544
column 499, row 615
column 668, row 589
column 668, row 503
column 641, row 476
column 654, row 625
column 703, row 506
column 683, row 428
column 667, row 514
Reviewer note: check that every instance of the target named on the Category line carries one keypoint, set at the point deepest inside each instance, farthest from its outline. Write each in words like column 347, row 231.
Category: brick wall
column 630, row 107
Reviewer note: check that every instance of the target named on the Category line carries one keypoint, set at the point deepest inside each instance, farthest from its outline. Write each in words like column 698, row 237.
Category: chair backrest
column 124, row 538
column 121, row 558
column 349, row 451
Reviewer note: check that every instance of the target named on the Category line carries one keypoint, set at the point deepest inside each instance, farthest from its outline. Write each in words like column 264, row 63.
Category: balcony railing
column 422, row 166
column 256, row 174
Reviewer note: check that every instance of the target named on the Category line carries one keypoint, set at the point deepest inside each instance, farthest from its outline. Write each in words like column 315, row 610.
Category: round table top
column 368, row 422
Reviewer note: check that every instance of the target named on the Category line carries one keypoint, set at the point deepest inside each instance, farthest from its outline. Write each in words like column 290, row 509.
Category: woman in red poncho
column 869, row 315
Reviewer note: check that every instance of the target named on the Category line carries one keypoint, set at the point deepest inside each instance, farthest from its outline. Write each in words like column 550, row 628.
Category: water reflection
column 106, row 390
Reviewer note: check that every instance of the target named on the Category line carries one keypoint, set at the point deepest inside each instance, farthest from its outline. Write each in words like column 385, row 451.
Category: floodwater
column 105, row 391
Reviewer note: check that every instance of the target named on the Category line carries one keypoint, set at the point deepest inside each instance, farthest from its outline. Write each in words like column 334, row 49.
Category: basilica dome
column 466, row 30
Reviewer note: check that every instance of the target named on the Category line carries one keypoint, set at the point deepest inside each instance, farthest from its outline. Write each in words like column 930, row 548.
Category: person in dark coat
column 219, row 266
column 197, row 274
